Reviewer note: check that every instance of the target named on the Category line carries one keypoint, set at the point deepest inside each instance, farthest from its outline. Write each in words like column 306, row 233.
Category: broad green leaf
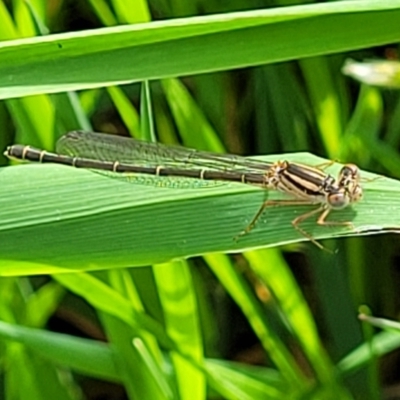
column 70, row 61
column 56, row 218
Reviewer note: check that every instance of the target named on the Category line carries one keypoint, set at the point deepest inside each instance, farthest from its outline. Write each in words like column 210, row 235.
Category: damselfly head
column 348, row 173
column 349, row 179
column 355, row 192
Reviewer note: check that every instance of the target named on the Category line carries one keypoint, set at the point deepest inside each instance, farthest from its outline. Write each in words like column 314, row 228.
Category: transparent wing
column 106, row 147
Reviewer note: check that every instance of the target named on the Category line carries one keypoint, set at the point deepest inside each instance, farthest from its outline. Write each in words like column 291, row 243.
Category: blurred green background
column 245, row 77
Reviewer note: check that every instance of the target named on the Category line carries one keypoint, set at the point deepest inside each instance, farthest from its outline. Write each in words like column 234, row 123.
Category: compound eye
column 356, row 194
column 350, row 170
column 338, row 200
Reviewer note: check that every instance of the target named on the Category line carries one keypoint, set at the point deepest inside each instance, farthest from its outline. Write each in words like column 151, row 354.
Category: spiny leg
column 325, row 164
column 375, row 178
column 321, row 221
column 296, row 222
column 271, row 203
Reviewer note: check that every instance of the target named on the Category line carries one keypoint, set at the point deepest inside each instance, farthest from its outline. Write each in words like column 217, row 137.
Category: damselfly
column 307, row 185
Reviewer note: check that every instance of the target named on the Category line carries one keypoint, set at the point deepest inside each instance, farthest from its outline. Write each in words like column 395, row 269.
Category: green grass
column 201, row 44
column 147, row 224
